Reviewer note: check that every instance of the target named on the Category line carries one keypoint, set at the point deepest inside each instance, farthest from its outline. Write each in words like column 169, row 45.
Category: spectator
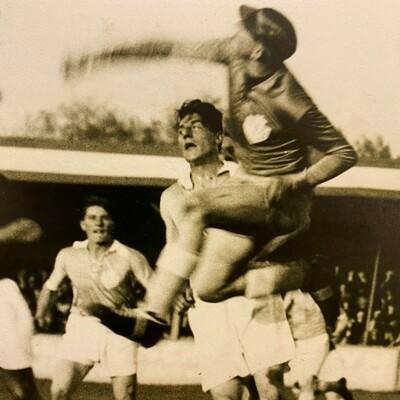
column 342, row 324
column 390, row 281
column 357, row 326
column 361, row 283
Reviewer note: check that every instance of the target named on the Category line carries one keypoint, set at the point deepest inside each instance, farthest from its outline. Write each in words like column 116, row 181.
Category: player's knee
column 58, row 392
column 210, row 292
column 128, row 393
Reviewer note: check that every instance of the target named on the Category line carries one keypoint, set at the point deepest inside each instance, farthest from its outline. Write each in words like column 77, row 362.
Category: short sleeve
column 59, row 272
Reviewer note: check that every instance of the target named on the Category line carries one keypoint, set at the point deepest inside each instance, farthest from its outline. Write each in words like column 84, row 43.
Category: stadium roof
column 106, row 168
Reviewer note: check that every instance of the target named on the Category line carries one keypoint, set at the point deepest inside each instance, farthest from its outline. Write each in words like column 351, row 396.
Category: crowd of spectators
column 354, row 289
column 361, row 322
column 31, row 283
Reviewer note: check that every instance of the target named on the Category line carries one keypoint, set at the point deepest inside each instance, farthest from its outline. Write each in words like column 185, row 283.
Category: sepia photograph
column 199, row 199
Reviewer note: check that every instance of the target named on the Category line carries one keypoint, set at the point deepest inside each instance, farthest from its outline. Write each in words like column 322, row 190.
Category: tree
column 373, row 148
column 85, row 122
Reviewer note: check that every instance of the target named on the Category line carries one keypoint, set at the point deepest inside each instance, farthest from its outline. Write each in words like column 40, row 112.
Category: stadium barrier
column 174, row 362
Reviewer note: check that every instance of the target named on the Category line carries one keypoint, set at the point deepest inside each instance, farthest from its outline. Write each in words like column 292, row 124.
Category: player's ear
column 82, row 224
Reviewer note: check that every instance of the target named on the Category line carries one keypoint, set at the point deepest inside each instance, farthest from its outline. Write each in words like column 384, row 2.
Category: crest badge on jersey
column 256, row 128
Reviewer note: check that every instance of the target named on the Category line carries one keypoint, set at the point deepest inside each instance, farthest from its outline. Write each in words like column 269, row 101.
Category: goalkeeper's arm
column 214, row 50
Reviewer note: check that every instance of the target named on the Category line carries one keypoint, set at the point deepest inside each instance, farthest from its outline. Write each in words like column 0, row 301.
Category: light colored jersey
column 16, row 327
column 108, row 282
column 304, row 316
column 172, row 199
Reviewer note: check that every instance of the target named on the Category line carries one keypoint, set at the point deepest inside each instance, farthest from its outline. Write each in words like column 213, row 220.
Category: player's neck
column 205, row 174
column 97, row 250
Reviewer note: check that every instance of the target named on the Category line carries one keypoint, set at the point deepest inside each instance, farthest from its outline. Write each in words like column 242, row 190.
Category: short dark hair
column 95, row 200
column 210, row 115
column 272, row 28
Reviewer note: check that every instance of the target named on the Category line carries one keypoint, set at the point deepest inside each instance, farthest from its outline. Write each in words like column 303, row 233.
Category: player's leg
column 270, row 385
column 230, row 390
column 78, row 352
column 267, row 344
column 20, row 383
column 339, row 387
column 124, row 387
column 67, row 376
column 263, row 279
column 224, row 256
column 309, row 357
column 119, row 358
column 239, row 208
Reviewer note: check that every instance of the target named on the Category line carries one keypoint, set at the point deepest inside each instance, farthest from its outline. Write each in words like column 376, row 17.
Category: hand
column 22, row 230
column 283, row 186
column 184, row 301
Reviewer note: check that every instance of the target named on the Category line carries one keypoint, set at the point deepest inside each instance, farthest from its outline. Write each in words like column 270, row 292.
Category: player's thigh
column 124, row 387
column 224, row 257
column 229, row 390
column 67, row 376
column 236, row 206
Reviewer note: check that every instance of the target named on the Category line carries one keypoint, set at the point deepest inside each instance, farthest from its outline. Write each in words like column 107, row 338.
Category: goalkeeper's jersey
column 276, row 122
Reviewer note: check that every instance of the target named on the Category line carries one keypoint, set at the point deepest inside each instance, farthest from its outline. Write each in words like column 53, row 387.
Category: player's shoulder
column 128, row 251
column 67, row 252
column 8, row 285
column 172, row 192
column 171, row 195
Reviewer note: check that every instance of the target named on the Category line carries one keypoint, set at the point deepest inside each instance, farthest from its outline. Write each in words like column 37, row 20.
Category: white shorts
column 87, row 342
column 309, row 358
column 15, row 352
column 239, row 337
column 16, row 328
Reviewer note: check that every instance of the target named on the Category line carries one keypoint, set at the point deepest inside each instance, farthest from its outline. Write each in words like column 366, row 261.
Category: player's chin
column 101, row 238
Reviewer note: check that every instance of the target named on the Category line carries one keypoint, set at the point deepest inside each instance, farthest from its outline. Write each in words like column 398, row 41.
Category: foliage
column 373, row 148
column 88, row 122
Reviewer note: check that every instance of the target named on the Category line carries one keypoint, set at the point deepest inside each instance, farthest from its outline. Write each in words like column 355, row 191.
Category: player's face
column 98, row 225
column 196, row 141
column 257, row 57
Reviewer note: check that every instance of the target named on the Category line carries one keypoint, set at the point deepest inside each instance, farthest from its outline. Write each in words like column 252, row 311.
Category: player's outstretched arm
column 21, row 230
column 216, row 50
column 46, row 301
column 48, row 295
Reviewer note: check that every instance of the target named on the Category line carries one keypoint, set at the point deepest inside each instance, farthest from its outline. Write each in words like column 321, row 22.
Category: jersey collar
column 185, row 180
column 116, row 246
